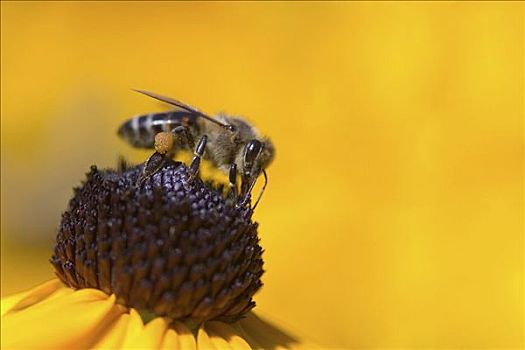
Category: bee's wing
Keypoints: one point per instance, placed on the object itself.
(170, 101)
(182, 106)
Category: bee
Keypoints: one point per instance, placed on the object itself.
(228, 142)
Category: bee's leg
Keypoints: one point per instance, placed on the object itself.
(154, 163)
(182, 132)
(244, 185)
(233, 180)
(244, 194)
(248, 183)
(163, 147)
(196, 161)
(245, 198)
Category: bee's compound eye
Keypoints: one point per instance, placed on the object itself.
(252, 150)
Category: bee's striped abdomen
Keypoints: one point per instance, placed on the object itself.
(140, 131)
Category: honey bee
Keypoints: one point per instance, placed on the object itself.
(228, 142)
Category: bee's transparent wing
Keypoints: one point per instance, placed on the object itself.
(171, 101)
(182, 106)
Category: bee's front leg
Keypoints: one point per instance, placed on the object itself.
(245, 195)
(247, 185)
(154, 163)
(233, 180)
(163, 147)
(196, 161)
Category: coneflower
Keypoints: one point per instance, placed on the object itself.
(163, 263)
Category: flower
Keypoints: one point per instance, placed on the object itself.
(168, 246)
(52, 316)
(162, 262)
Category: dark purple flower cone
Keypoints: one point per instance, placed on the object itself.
(167, 247)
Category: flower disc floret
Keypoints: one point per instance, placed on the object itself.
(166, 245)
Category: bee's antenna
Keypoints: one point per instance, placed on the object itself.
(185, 107)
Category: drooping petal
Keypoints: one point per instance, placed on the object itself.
(54, 317)
(21, 300)
(220, 343)
(114, 336)
(71, 320)
(264, 335)
(170, 341)
(204, 342)
(140, 336)
(217, 340)
(220, 330)
(186, 338)
(245, 336)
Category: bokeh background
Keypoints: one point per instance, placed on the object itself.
(394, 213)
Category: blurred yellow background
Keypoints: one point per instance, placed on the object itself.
(394, 213)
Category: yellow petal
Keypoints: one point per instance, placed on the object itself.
(220, 343)
(217, 341)
(114, 337)
(246, 337)
(171, 341)
(60, 318)
(68, 321)
(228, 333)
(31, 297)
(186, 338)
(8, 303)
(203, 341)
(266, 335)
(140, 336)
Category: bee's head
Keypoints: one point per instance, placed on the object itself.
(257, 155)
